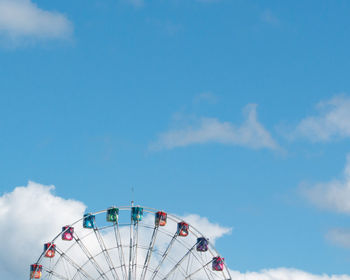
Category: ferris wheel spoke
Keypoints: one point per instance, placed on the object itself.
(130, 250)
(149, 252)
(60, 258)
(66, 269)
(105, 253)
(208, 271)
(79, 269)
(198, 270)
(139, 266)
(55, 274)
(120, 250)
(165, 255)
(133, 249)
(90, 257)
(159, 275)
(188, 265)
(135, 246)
(179, 262)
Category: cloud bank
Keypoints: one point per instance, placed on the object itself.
(251, 133)
(24, 19)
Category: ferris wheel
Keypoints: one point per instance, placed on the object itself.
(129, 243)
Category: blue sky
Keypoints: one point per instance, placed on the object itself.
(238, 111)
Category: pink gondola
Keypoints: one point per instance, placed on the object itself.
(67, 233)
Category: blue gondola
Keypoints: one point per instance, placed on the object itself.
(136, 214)
(112, 214)
(89, 221)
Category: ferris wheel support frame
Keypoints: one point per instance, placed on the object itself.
(133, 247)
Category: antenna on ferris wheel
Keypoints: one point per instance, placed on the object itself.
(132, 196)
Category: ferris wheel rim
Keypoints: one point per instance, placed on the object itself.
(212, 250)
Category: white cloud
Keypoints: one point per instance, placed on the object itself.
(339, 237)
(28, 217)
(333, 121)
(24, 19)
(211, 130)
(212, 231)
(285, 274)
(333, 195)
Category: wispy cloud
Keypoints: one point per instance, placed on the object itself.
(332, 121)
(211, 130)
(339, 237)
(207, 97)
(268, 17)
(168, 27)
(24, 19)
(333, 195)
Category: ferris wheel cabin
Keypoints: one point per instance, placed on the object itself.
(67, 233)
(183, 229)
(218, 264)
(202, 244)
(49, 250)
(89, 220)
(35, 271)
(136, 214)
(112, 214)
(161, 218)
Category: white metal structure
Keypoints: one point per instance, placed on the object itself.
(130, 250)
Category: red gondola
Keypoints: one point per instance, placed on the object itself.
(35, 271)
(50, 250)
(183, 229)
(161, 218)
(218, 264)
(67, 233)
